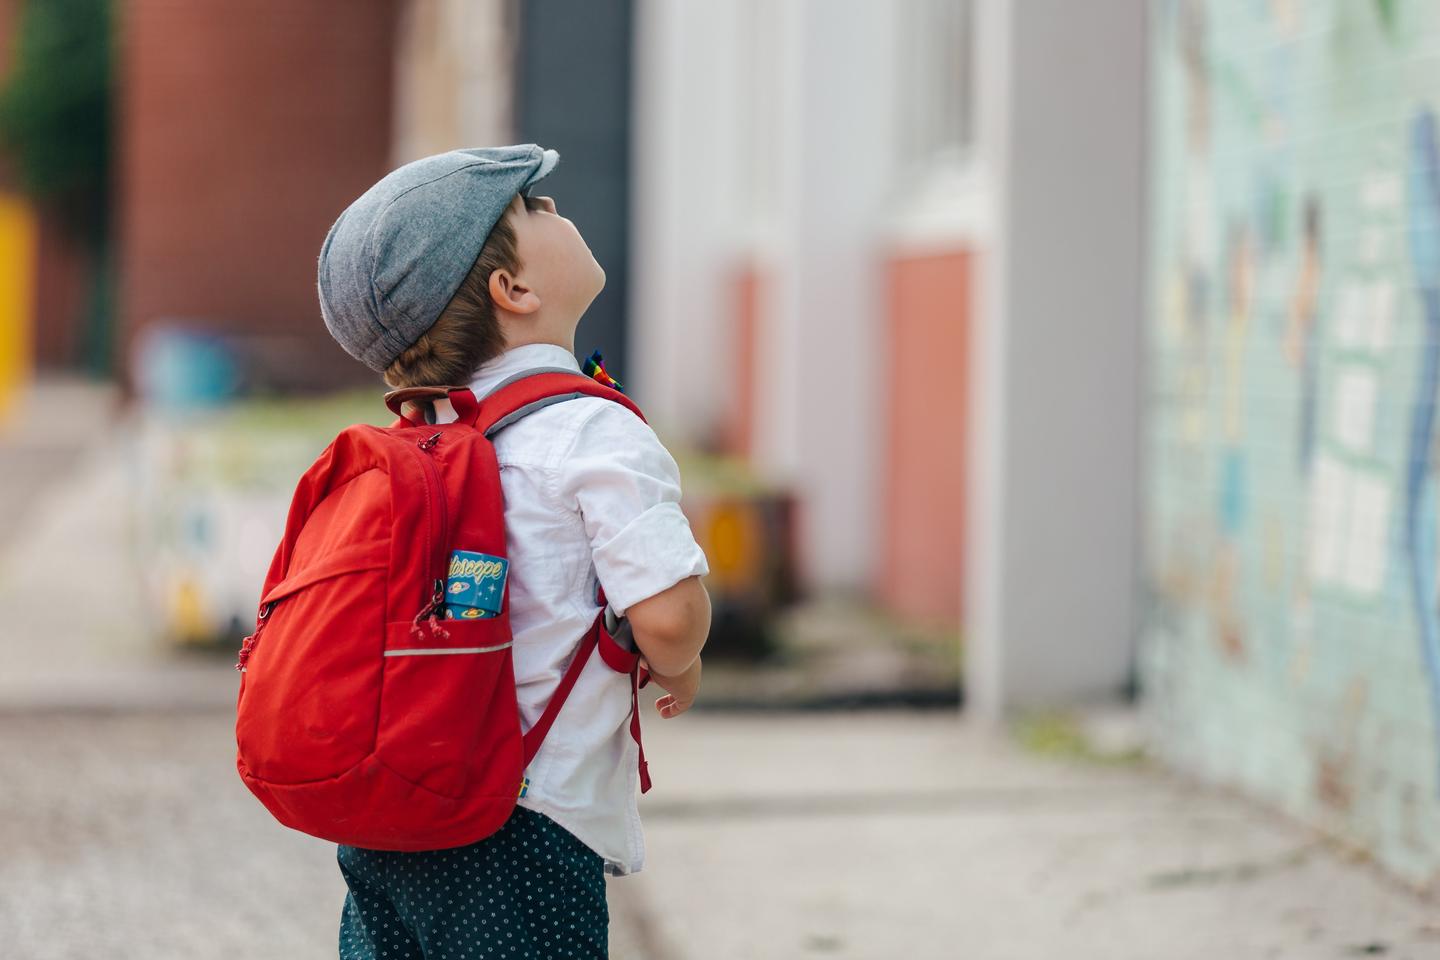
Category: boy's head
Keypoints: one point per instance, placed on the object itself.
(449, 260)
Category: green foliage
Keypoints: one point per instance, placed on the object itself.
(1059, 735)
(1387, 13)
(55, 107)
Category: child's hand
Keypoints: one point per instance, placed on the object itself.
(680, 689)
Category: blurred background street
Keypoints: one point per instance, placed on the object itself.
(1054, 391)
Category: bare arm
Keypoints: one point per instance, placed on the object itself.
(671, 627)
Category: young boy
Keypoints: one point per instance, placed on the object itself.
(449, 272)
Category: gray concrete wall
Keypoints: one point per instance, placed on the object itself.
(1051, 600)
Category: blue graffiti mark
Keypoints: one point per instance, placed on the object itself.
(1420, 531)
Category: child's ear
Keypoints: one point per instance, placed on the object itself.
(508, 292)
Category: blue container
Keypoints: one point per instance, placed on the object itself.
(475, 587)
(185, 369)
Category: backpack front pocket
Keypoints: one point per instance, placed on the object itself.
(448, 712)
(306, 707)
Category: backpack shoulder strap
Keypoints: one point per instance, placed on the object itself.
(512, 399)
(531, 390)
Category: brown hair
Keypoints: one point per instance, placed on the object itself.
(467, 333)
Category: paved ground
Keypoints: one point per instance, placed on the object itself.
(44, 437)
(125, 832)
(895, 834)
(847, 836)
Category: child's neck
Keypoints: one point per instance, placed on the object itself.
(555, 341)
(532, 336)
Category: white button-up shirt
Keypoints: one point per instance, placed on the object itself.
(589, 490)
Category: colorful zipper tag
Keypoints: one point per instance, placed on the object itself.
(594, 367)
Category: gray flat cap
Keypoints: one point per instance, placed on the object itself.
(396, 256)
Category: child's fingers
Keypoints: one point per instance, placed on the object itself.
(668, 706)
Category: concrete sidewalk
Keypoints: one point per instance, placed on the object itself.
(917, 835)
(862, 835)
(74, 631)
(55, 420)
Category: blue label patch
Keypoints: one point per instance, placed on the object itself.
(475, 586)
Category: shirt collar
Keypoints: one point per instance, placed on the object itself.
(516, 359)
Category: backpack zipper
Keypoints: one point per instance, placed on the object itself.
(437, 545)
(437, 596)
(247, 646)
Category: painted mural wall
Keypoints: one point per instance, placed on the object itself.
(1292, 608)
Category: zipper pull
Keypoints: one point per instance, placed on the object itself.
(436, 601)
(429, 441)
(247, 646)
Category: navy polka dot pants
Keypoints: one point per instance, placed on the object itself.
(531, 889)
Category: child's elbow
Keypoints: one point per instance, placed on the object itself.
(671, 627)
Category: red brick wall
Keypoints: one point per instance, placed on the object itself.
(64, 277)
(244, 128)
(928, 422)
(747, 290)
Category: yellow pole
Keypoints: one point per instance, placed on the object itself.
(18, 240)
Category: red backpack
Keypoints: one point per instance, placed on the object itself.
(364, 717)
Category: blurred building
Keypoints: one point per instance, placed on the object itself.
(243, 131)
(1291, 625)
(889, 253)
(241, 134)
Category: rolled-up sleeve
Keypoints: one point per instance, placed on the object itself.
(626, 487)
